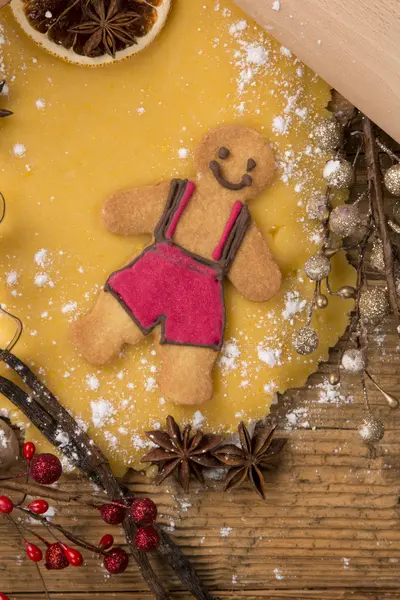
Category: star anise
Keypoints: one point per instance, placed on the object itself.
(182, 453)
(256, 452)
(3, 111)
(106, 26)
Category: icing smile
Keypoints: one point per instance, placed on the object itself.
(246, 180)
(215, 167)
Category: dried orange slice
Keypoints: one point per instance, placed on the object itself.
(91, 32)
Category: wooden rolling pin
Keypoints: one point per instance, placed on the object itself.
(354, 45)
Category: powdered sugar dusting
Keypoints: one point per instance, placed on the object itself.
(102, 412)
(198, 419)
(92, 383)
(294, 304)
(12, 278)
(229, 356)
(19, 150)
(298, 417)
(269, 356)
(41, 257)
(41, 279)
(331, 394)
(69, 307)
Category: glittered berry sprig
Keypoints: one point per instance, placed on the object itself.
(46, 469)
(50, 417)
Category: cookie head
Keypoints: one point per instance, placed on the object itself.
(235, 161)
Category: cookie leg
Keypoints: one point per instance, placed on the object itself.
(100, 334)
(186, 373)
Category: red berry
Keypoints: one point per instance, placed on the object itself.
(112, 514)
(29, 450)
(116, 561)
(46, 469)
(143, 510)
(6, 505)
(74, 557)
(55, 557)
(147, 538)
(4, 597)
(34, 552)
(39, 507)
(106, 542)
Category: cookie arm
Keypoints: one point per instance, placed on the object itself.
(135, 211)
(254, 272)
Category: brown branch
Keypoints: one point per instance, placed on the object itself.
(376, 194)
(17, 527)
(78, 541)
(42, 491)
(49, 416)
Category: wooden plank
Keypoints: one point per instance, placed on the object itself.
(358, 56)
(295, 594)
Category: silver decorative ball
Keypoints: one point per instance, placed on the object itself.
(339, 173)
(334, 378)
(358, 235)
(318, 207)
(392, 180)
(374, 304)
(346, 292)
(344, 220)
(305, 340)
(328, 134)
(321, 301)
(354, 360)
(317, 267)
(377, 259)
(331, 251)
(9, 446)
(371, 430)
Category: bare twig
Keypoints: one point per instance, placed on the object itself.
(11, 520)
(387, 150)
(67, 534)
(44, 491)
(376, 194)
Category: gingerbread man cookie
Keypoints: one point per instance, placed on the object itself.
(203, 232)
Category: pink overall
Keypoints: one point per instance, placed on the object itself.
(182, 291)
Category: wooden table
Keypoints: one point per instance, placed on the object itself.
(329, 529)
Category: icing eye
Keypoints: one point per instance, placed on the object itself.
(251, 164)
(223, 153)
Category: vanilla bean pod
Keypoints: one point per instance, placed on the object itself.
(90, 459)
(376, 194)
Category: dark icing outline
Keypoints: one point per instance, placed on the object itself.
(221, 267)
(251, 164)
(223, 153)
(216, 170)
